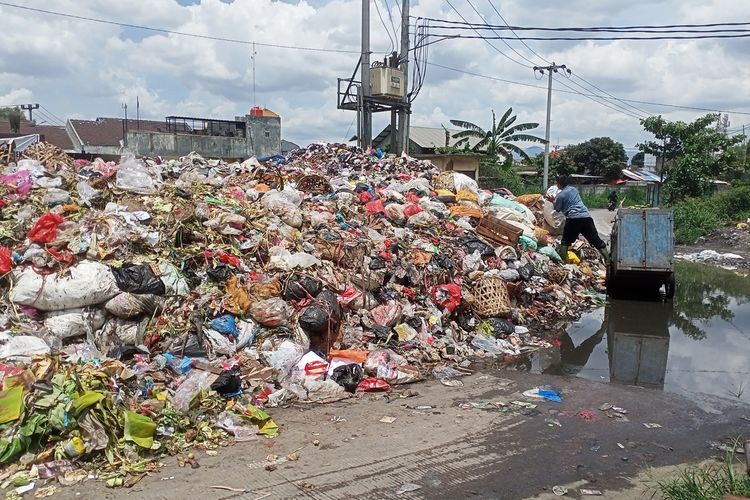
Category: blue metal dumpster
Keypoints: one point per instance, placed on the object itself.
(642, 248)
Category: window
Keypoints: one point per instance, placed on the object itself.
(268, 134)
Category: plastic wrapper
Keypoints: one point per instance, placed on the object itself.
(389, 366)
(196, 381)
(135, 177)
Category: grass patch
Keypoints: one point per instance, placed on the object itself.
(696, 217)
(708, 483)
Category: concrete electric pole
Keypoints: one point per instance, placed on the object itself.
(552, 68)
(365, 139)
(30, 108)
(404, 112)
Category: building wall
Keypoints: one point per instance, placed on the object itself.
(263, 139)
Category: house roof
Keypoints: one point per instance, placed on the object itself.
(108, 131)
(426, 137)
(50, 133)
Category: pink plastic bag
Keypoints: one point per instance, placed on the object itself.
(20, 182)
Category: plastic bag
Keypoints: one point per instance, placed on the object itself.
(473, 244)
(462, 182)
(138, 278)
(6, 260)
(86, 193)
(299, 287)
(17, 346)
(235, 425)
(196, 381)
(54, 197)
(446, 296)
(89, 283)
(395, 212)
(386, 314)
(321, 321)
(472, 262)
(348, 376)
(372, 384)
(271, 313)
(282, 357)
(74, 322)
(551, 253)
(555, 220)
(526, 243)
(510, 275)
(174, 282)
(130, 305)
(45, 229)
(226, 325)
(133, 176)
(284, 260)
(19, 182)
(391, 367)
(422, 220)
(228, 383)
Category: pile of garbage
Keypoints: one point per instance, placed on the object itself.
(135, 291)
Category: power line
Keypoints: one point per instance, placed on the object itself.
(607, 93)
(490, 43)
(622, 107)
(592, 38)
(180, 33)
(635, 28)
(649, 103)
(613, 107)
(390, 18)
(505, 42)
(382, 21)
(514, 33)
(52, 114)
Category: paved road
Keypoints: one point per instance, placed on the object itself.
(603, 219)
(450, 452)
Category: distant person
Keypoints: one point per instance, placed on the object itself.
(578, 220)
(612, 205)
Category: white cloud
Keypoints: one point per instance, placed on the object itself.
(78, 68)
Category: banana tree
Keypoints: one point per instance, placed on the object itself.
(500, 139)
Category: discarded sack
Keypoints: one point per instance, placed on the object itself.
(138, 278)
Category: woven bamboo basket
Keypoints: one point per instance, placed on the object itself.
(314, 184)
(556, 274)
(491, 297)
(444, 181)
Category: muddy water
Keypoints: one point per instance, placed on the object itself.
(698, 344)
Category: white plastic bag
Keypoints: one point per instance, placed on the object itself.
(21, 346)
(131, 305)
(282, 357)
(89, 283)
(74, 322)
(463, 182)
(283, 259)
(133, 176)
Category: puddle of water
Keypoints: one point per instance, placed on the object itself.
(699, 343)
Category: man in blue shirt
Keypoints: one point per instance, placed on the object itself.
(578, 220)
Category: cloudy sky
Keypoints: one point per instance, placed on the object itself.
(80, 69)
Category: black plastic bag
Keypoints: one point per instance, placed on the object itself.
(321, 320)
(126, 352)
(138, 278)
(348, 376)
(192, 347)
(377, 263)
(219, 274)
(301, 287)
(361, 188)
(444, 262)
(229, 382)
(472, 244)
(501, 327)
(526, 272)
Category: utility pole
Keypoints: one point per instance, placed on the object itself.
(125, 125)
(365, 139)
(552, 68)
(744, 149)
(404, 112)
(30, 108)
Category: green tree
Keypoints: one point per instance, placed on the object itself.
(598, 156)
(693, 154)
(500, 139)
(14, 116)
(559, 164)
(637, 160)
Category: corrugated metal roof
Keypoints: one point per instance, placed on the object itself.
(426, 137)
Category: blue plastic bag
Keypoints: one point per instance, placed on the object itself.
(225, 325)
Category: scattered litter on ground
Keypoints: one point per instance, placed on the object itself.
(560, 490)
(651, 426)
(595, 493)
(387, 420)
(407, 488)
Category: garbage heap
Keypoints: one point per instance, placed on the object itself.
(134, 291)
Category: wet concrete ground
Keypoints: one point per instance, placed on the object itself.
(452, 452)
